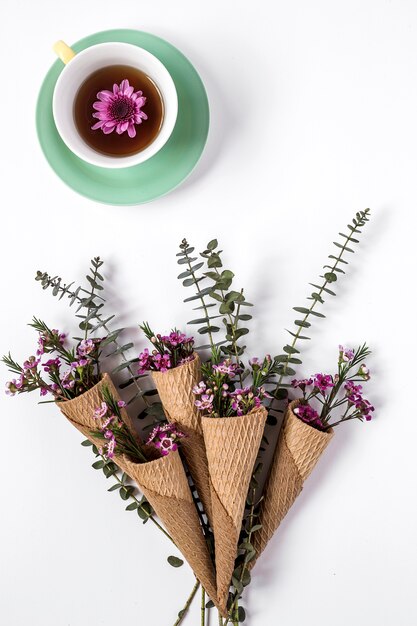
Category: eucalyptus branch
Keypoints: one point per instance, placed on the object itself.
(94, 286)
(329, 277)
(74, 296)
(190, 278)
(228, 301)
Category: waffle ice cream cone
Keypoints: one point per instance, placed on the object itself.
(80, 412)
(298, 450)
(164, 484)
(175, 392)
(232, 445)
(162, 481)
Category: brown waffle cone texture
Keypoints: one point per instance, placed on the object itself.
(175, 392)
(232, 445)
(162, 481)
(80, 412)
(298, 450)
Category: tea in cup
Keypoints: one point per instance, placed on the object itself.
(114, 104)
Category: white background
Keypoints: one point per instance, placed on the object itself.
(314, 116)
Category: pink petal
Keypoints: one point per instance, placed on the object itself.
(105, 95)
(108, 127)
(115, 89)
(138, 93)
(100, 106)
(131, 131)
(121, 127)
(101, 115)
(97, 125)
(124, 85)
(129, 91)
(140, 101)
(140, 116)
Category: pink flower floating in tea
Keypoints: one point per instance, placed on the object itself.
(119, 109)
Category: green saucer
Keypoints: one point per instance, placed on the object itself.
(161, 173)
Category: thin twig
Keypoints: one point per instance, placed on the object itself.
(187, 605)
(203, 606)
(323, 287)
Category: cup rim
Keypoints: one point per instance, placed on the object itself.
(96, 158)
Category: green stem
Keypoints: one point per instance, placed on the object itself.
(203, 606)
(187, 605)
(203, 302)
(91, 305)
(234, 612)
(236, 615)
(315, 301)
(220, 619)
(233, 324)
(344, 419)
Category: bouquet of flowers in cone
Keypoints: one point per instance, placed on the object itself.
(195, 465)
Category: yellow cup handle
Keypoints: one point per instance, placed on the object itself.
(64, 52)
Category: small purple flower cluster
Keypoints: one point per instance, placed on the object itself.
(307, 414)
(154, 361)
(72, 381)
(355, 399)
(248, 398)
(346, 354)
(15, 385)
(226, 368)
(175, 339)
(47, 342)
(320, 382)
(219, 396)
(328, 390)
(107, 425)
(165, 438)
(169, 351)
(206, 396)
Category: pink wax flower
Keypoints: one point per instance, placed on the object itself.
(227, 368)
(119, 109)
(363, 372)
(86, 346)
(101, 411)
(345, 354)
(51, 365)
(165, 438)
(308, 415)
(31, 363)
(323, 382)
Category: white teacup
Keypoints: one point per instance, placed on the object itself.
(81, 65)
